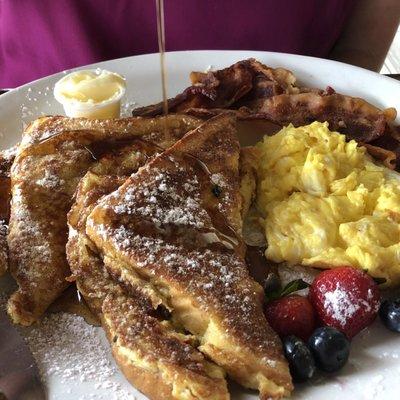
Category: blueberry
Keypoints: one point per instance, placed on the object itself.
(301, 361)
(390, 314)
(330, 348)
(216, 190)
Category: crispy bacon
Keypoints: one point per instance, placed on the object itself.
(387, 157)
(352, 116)
(387, 147)
(254, 91)
(223, 88)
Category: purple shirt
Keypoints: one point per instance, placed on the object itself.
(41, 37)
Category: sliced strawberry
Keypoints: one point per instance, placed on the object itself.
(345, 298)
(291, 315)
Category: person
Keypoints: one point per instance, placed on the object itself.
(41, 37)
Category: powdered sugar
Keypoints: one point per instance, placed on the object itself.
(342, 305)
(74, 359)
(50, 181)
(374, 389)
(163, 200)
(28, 228)
(218, 179)
(127, 106)
(9, 154)
(68, 349)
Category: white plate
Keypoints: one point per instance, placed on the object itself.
(373, 371)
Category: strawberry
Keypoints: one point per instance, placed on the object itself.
(346, 299)
(291, 315)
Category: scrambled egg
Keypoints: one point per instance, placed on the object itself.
(326, 203)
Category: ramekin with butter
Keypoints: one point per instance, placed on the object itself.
(91, 93)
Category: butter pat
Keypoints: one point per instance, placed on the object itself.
(91, 93)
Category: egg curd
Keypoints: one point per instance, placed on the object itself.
(326, 203)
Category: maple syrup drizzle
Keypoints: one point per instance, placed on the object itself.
(161, 49)
(263, 271)
(224, 231)
(96, 149)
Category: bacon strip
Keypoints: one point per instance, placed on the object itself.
(255, 91)
(223, 88)
(387, 157)
(351, 116)
(387, 147)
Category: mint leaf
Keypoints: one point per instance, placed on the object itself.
(379, 281)
(291, 287)
(294, 286)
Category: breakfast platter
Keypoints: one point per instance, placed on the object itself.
(306, 178)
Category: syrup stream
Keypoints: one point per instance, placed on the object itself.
(161, 48)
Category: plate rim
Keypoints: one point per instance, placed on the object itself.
(326, 61)
(217, 53)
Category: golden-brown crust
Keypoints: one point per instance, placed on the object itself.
(103, 177)
(149, 383)
(42, 188)
(155, 225)
(150, 351)
(3, 248)
(132, 322)
(149, 346)
(6, 161)
(54, 154)
(48, 132)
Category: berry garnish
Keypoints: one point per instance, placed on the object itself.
(390, 314)
(330, 348)
(291, 287)
(345, 298)
(291, 315)
(300, 359)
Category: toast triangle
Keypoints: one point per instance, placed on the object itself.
(176, 224)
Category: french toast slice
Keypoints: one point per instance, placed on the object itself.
(3, 248)
(97, 285)
(103, 178)
(55, 152)
(176, 224)
(6, 160)
(157, 358)
(160, 361)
